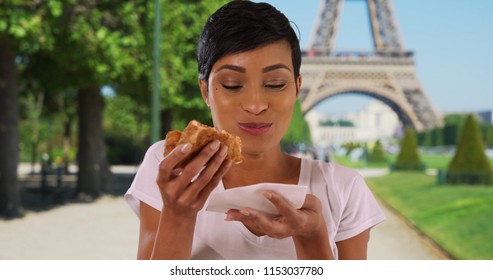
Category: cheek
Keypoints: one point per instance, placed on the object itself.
(220, 103)
(287, 105)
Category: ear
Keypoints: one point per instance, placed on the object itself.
(203, 89)
(298, 85)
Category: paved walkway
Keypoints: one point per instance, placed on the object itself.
(108, 229)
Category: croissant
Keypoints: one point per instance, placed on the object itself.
(199, 135)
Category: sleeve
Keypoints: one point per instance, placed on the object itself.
(361, 210)
(144, 187)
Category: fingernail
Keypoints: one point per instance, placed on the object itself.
(186, 148)
(228, 218)
(215, 144)
(245, 212)
(268, 195)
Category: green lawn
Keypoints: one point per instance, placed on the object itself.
(434, 161)
(343, 160)
(458, 218)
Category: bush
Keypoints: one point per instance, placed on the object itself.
(298, 131)
(408, 158)
(470, 164)
(377, 154)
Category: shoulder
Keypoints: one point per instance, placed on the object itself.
(336, 173)
(155, 151)
(144, 187)
(340, 181)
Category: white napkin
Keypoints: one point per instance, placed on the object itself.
(252, 196)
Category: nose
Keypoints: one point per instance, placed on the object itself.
(254, 102)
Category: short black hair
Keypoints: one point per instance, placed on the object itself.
(240, 26)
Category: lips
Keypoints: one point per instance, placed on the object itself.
(255, 128)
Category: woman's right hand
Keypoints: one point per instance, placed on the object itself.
(182, 197)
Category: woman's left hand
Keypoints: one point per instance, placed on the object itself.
(304, 222)
(306, 225)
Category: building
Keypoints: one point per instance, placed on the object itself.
(375, 121)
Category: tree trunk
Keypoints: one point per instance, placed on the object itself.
(94, 172)
(10, 200)
(38, 107)
(67, 133)
(66, 120)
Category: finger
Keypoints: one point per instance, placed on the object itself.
(284, 208)
(200, 189)
(170, 162)
(271, 226)
(195, 165)
(208, 178)
(225, 166)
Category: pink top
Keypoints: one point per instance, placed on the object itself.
(349, 208)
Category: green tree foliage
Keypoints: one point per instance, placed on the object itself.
(350, 146)
(299, 131)
(181, 101)
(341, 123)
(448, 135)
(487, 131)
(74, 46)
(182, 23)
(105, 40)
(23, 31)
(378, 153)
(409, 158)
(470, 164)
(127, 130)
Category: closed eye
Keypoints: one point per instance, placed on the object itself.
(276, 86)
(228, 87)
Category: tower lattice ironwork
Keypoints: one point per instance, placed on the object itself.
(387, 74)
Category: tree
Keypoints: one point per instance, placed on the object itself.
(298, 131)
(112, 43)
(438, 136)
(470, 164)
(9, 134)
(378, 153)
(409, 158)
(487, 131)
(126, 127)
(182, 22)
(105, 40)
(23, 30)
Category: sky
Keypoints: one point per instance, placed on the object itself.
(452, 41)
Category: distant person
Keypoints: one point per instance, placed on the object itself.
(249, 75)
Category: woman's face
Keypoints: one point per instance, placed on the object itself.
(252, 95)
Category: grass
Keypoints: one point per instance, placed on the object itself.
(436, 161)
(459, 218)
(343, 160)
(433, 161)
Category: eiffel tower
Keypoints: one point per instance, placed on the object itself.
(387, 74)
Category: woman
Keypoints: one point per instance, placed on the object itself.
(249, 75)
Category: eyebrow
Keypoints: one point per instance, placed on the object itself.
(275, 67)
(243, 69)
(231, 67)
